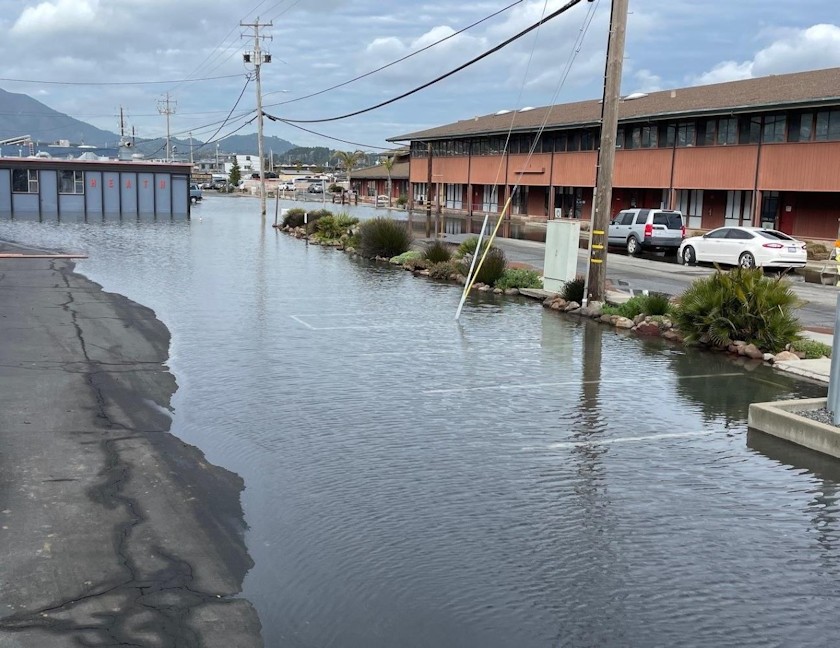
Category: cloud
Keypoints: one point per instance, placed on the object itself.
(647, 81)
(52, 17)
(797, 50)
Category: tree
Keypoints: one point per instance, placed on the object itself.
(235, 173)
(388, 163)
(349, 159)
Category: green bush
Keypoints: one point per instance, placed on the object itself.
(437, 252)
(490, 271)
(519, 278)
(655, 304)
(573, 289)
(402, 200)
(468, 247)
(406, 256)
(294, 217)
(812, 349)
(331, 227)
(741, 304)
(443, 270)
(417, 264)
(383, 237)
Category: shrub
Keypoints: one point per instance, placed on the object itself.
(490, 271)
(294, 217)
(331, 227)
(812, 349)
(656, 304)
(468, 247)
(334, 188)
(417, 264)
(437, 252)
(816, 251)
(741, 304)
(573, 289)
(519, 278)
(402, 200)
(443, 270)
(383, 237)
(406, 256)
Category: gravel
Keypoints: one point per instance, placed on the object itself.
(821, 415)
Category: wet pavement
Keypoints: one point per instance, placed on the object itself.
(521, 478)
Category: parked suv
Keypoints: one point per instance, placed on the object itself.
(647, 229)
(195, 193)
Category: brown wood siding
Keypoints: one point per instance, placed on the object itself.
(815, 215)
(533, 172)
(574, 169)
(536, 202)
(800, 167)
(450, 170)
(488, 169)
(715, 167)
(643, 168)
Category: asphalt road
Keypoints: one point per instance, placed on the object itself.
(657, 274)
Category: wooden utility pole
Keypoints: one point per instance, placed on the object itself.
(596, 277)
(167, 107)
(429, 192)
(257, 57)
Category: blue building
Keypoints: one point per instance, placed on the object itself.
(81, 189)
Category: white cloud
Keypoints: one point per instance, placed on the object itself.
(797, 50)
(646, 81)
(62, 15)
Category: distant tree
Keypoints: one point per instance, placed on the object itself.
(388, 163)
(349, 159)
(235, 173)
(318, 169)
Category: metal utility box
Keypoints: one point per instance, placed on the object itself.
(562, 240)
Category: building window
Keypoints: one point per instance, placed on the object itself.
(828, 125)
(801, 127)
(690, 203)
(71, 182)
(667, 135)
(686, 134)
(587, 140)
(706, 132)
(649, 136)
(727, 131)
(749, 129)
(619, 138)
(738, 208)
(573, 141)
(25, 181)
(774, 128)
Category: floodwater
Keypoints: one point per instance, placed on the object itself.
(518, 479)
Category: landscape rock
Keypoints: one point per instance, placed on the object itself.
(639, 318)
(571, 306)
(752, 351)
(548, 301)
(624, 323)
(768, 357)
(497, 291)
(558, 304)
(484, 288)
(608, 319)
(512, 291)
(672, 335)
(647, 328)
(785, 356)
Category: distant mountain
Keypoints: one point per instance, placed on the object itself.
(20, 114)
(247, 145)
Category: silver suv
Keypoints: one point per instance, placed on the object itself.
(647, 229)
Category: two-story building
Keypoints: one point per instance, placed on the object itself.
(762, 151)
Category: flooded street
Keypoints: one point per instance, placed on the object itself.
(519, 478)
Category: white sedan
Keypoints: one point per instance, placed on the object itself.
(748, 247)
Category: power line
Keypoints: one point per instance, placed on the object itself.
(401, 59)
(116, 83)
(329, 137)
(446, 75)
(229, 113)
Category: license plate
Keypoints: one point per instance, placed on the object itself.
(791, 249)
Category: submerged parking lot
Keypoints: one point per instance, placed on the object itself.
(518, 478)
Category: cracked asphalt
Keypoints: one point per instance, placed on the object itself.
(113, 531)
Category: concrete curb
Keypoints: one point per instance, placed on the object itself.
(818, 369)
(780, 419)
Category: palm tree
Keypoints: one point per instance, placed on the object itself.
(388, 163)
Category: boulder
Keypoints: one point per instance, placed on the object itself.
(571, 306)
(498, 291)
(484, 288)
(548, 301)
(639, 318)
(512, 291)
(768, 357)
(752, 351)
(672, 335)
(647, 328)
(785, 356)
(558, 304)
(607, 319)
(624, 323)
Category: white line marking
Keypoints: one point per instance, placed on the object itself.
(300, 321)
(638, 439)
(503, 386)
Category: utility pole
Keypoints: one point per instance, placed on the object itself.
(192, 158)
(258, 58)
(167, 107)
(596, 277)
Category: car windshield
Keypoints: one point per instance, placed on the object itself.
(671, 221)
(774, 235)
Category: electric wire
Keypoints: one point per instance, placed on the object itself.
(330, 137)
(238, 99)
(446, 75)
(116, 83)
(401, 59)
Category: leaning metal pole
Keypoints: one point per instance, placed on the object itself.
(597, 274)
(833, 402)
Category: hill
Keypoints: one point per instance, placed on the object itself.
(23, 115)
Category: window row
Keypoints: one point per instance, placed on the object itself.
(69, 182)
(807, 126)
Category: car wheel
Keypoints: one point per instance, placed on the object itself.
(746, 260)
(688, 256)
(632, 246)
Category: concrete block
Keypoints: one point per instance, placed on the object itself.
(780, 419)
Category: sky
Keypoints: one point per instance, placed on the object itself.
(192, 49)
